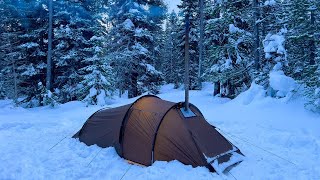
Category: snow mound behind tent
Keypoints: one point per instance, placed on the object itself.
(281, 83)
(254, 93)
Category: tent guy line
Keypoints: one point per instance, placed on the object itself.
(69, 135)
(126, 171)
(256, 146)
(94, 157)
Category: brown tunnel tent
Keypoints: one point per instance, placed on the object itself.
(152, 129)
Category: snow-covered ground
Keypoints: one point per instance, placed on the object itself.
(281, 140)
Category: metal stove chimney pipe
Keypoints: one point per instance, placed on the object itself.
(187, 60)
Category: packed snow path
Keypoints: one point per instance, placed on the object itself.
(280, 140)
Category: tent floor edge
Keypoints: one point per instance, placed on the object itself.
(135, 163)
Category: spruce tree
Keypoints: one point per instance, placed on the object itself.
(300, 37)
(75, 47)
(171, 54)
(230, 47)
(24, 48)
(132, 43)
(190, 8)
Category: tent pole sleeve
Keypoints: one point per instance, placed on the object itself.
(156, 133)
(124, 122)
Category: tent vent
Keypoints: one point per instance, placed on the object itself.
(187, 113)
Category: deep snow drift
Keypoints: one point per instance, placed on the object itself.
(281, 140)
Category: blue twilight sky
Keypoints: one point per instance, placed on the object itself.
(172, 5)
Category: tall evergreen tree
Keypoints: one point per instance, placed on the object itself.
(171, 53)
(24, 31)
(273, 36)
(78, 53)
(301, 39)
(133, 41)
(24, 48)
(190, 8)
(229, 47)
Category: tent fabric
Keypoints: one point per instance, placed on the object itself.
(177, 144)
(152, 129)
(103, 127)
(143, 120)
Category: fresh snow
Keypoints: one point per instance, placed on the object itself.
(128, 24)
(281, 140)
(29, 45)
(101, 98)
(281, 83)
(140, 48)
(93, 92)
(234, 29)
(134, 11)
(235, 158)
(274, 43)
(269, 2)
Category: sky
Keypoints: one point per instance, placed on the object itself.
(172, 5)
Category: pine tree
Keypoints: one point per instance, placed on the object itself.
(272, 31)
(74, 43)
(190, 8)
(24, 47)
(229, 47)
(45, 97)
(2, 90)
(311, 72)
(9, 56)
(171, 52)
(133, 42)
(98, 79)
(300, 37)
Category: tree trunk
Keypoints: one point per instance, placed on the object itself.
(312, 42)
(49, 57)
(133, 87)
(216, 90)
(15, 83)
(201, 52)
(256, 34)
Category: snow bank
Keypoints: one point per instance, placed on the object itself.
(281, 83)
(254, 93)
